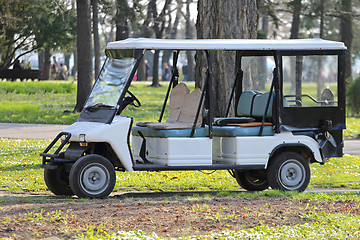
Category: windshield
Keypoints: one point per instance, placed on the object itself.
(111, 82)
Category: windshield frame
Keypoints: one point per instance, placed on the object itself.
(104, 113)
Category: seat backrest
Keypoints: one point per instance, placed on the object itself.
(244, 107)
(253, 103)
(177, 97)
(259, 105)
(190, 106)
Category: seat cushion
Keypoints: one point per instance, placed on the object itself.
(165, 133)
(232, 120)
(235, 131)
(250, 124)
(171, 125)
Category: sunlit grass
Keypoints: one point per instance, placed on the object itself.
(41, 105)
(54, 101)
(352, 127)
(20, 170)
(336, 171)
(36, 87)
(319, 226)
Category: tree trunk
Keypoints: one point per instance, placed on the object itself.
(173, 30)
(147, 33)
(294, 34)
(319, 81)
(263, 15)
(347, 35)
(46, 71)
(155, 80)
(121, 18)
(67, 61)
(159, 26)
(83, 43)
(295, 26)
(189, 35)
(224, 19)
(41, 59)
(96, 36)
(74, 70)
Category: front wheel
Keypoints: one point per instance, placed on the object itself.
(92, 176)
(252, 180)
(57, 181)
(289, 171)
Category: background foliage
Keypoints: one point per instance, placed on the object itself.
(353, 97)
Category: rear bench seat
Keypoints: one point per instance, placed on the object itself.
(251, 107)
(182, 111)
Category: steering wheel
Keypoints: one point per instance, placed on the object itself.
(135, 101)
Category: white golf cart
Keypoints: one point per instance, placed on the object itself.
(289, 101)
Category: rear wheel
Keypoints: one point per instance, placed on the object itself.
(92, 176)
(252, 180)
(289, 171)
(57, 181)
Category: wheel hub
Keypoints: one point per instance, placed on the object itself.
(95, 178)
(292, 174)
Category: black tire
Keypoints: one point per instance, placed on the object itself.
(57, 181)
(252, 180)
(289, 171)
(92, 176)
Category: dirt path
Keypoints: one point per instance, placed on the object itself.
(44, 216)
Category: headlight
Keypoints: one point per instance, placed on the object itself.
(82, 140)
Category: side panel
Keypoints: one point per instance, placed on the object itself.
(115, 134)
(256, 150)
(175, 151)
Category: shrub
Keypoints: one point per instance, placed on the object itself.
(353, 97)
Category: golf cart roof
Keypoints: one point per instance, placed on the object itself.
(225, 44)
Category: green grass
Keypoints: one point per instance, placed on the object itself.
(53, 102)
(20, 170)
(352, 127)
(38, 102)
(321, 226)
(311, 196)
(37, 87)
(336, 171)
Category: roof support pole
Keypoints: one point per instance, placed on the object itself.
(238, 75)
(173, 82)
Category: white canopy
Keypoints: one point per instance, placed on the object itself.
(226, 44)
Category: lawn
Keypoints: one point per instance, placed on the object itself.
(20, 170)
(52, 102)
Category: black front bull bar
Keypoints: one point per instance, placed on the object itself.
(51, 160)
